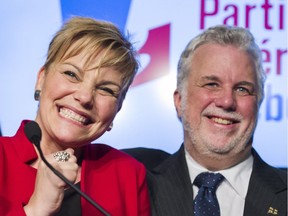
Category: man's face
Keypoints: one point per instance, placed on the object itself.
(219, 105)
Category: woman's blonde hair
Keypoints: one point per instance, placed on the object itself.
(95, 36)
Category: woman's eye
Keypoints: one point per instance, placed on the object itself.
(71, 74)
(108, 91)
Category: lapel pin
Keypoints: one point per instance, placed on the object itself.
(272, 211)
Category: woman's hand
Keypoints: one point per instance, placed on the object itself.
(49, 188)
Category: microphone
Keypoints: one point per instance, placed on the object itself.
(34, 134)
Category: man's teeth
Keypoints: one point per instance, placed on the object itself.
(222, 121)
(72, 115)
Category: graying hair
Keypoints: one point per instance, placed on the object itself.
(223, 35)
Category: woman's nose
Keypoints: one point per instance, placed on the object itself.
(84, 95)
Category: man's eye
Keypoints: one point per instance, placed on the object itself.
(244, 91)
(211, 85)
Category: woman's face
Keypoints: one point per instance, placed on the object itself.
(78, 101)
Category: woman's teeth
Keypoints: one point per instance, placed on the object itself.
(69, 114)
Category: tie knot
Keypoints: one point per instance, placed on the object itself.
(209, 180)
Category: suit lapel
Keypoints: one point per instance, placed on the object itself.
(266, 190)
(171, 177)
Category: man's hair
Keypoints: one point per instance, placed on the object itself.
(223, 35)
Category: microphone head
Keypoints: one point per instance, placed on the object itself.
(33, 132)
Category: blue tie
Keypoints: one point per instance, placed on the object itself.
(206, 202)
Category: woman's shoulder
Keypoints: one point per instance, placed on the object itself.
(105, 153)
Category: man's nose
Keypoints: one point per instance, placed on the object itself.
(226, 99)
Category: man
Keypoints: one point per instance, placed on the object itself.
(220, 85)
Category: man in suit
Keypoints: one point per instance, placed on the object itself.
(220, 86)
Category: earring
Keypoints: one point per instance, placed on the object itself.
(110, 127)
(37, 95)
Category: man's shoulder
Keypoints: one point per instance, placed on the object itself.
(150, 157)
(260, 166)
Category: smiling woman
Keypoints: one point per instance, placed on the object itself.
(80, 88)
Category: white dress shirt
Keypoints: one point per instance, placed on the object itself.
(232, 191)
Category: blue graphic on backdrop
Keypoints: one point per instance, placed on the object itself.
(111, 10)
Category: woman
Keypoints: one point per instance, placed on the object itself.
(80, 88)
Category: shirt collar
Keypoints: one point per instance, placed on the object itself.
(237, 176)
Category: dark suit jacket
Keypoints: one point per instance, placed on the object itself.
(148, 156)
(171, 190)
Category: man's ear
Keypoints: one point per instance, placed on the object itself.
(40, 79)
(177, 103)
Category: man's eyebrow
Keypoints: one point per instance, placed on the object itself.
(247, 83)
(211, 77)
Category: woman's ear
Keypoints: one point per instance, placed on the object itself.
(40, 79)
